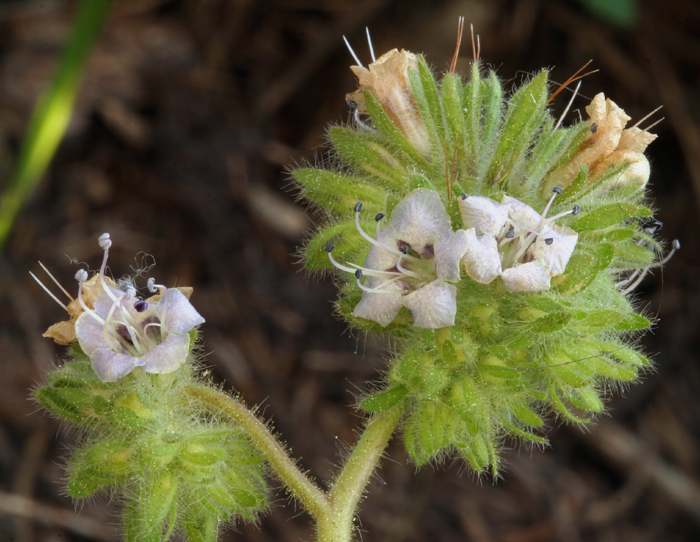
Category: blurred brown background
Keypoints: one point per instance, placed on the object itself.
(188, 116)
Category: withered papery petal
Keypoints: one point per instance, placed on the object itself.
(449, 249)
(527, 277)
(486, 216)
(481, 260)
(381, 308)
(388, 80)
(434, 305)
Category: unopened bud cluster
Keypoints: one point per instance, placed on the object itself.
(496, 248)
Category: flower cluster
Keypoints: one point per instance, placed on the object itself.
(517, 288)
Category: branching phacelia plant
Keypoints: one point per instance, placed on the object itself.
(497, 249)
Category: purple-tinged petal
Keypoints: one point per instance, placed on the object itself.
(555, 256)
(528, 277)
(110, 365)
(434, 305)
(104, 303)
(89, 333)
(176, 313)
(168, 356)
(419, 219)
(381, 259)
(481, 260)
(486, 216)
(449, 249)
(380, 308)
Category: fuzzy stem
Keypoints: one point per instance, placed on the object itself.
(298, 483)
(337, 526)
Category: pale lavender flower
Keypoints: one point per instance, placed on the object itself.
(411, 263)
(512, 240)
(124, 332)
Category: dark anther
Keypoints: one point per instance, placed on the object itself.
(404, 249)
(549, 241)
(510, 234)
(557, 190)
(358, 206)
(379, 216)
(329, 248)
(658, 225)
(594, 127)
(358, 274)
(576, 210)
(140, 305)
(352, 104)
(676, 244)
(463, 196)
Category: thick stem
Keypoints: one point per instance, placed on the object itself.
(337, 526)
(302, 488)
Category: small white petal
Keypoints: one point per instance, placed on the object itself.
(528, 277)
(555, 257)
(486, 216)
(449, 249)
(481, 260)
(380, 308)
(522, 214)
(434, 305)
(419, 220)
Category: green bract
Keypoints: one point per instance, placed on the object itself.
(513, 357)
(177, 467)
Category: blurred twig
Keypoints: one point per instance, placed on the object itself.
(52, 113)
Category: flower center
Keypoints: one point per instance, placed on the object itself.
(411, 269)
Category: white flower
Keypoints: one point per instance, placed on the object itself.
(514, 241)
(411, 263)
(123, 332)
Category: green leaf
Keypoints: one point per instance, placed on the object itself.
(633, 254)
(608, 215)
(383, 401)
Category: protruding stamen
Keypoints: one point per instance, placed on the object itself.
(104, 241)
(358, 120)
(676, 245)
(568, 106)
(140, 305)
(347, 43)
(81, 275)
(576, 210)
(557, 190)
(47, 291)
(153, 287)
(352, 104)
(594, 125)
(56, 282)
(463, 196)
(329, 248)
(358, 274)
(510, 234)
(358, 206)
(371, 49)
(549, 241)
(404, 270)
(379, 216)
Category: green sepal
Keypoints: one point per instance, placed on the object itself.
(632, 255)
(475, 450)
(349, 243)
(524, 434)
(608, 215)
(583, 268)
(562, 409)
(527, 415)
(203, 528)
(68, 403)
(610, 369)
(550, 323)
(370, 157)
(587, 400)
(74, 374)
(493, 111)
(524, 115)
(385, 400)
(339, 193)
(386, 125)
(426, 95)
